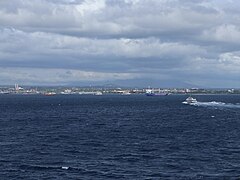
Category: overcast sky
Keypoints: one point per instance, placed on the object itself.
(157, 43)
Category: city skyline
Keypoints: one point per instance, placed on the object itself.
(161, 43)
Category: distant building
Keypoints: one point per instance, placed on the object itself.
(187, 90)
(17, 88)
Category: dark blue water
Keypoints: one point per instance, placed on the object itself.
(119, 137)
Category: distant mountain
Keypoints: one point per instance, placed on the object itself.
(136, 83)
(143, 83)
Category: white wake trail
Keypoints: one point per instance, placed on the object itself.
(216, 104)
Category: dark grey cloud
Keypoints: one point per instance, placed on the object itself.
(184, 41)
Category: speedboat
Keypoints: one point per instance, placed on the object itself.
(190, 100)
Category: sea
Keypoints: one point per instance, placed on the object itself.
(119, 137)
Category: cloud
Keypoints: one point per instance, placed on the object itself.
(230, 58)
(39, 49)
(108, 18)
(185, 40)
(57, 76)
(226, 33)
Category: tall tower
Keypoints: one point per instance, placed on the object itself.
(16, 87)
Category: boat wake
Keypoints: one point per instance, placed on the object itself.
(215, 104)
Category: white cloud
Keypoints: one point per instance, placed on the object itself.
(230, 58)
(225, 33)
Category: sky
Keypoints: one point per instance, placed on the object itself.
(158, 43)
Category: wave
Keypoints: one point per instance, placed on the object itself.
(81, 170)
(216, 104)
(42, 167)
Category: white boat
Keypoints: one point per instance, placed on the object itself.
(190, 100)
(50, 93)
(98, 93)
(126, 93)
